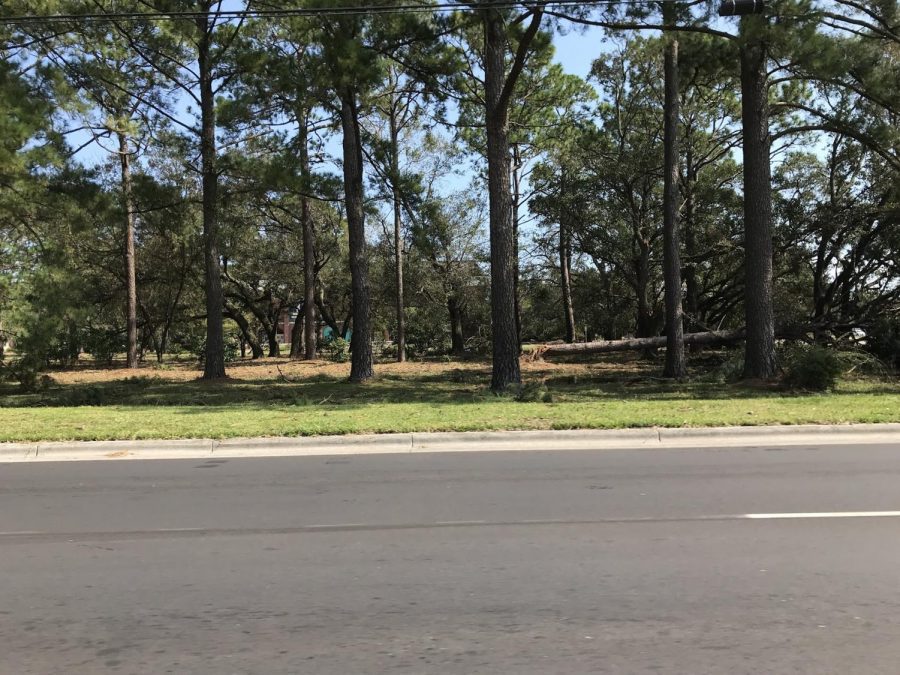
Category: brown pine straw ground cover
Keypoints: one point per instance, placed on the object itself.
(279, 397)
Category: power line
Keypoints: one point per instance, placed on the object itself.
(401, 8)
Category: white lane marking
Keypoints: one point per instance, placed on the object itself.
(737, 516)
(335, 526)
(826, 514)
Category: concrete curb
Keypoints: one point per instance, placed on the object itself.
(314, 445)
(478, 441)
(16, 451)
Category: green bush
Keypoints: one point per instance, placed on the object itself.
(883, 340)
(388, 351)
(191, 339)
(102, 344)
(84, 395)
(813, 369)
(534, 392)
(139, 381)
(730, 369)
(231, 351)
(479, 344)
(338, 350)
(863, 362)
(426, 334)
(26, 371)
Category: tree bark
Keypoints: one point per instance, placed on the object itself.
(214, 362)
(516, 198)
(297, 333)
(675, 361)
(505, 347)
(361, 358)
(130, 265)
(457, 341)
(272, 338)
(398, 240)
(243, 325)
(645, 324)
(691, 284)
(309, 252)
(759, 355)
(565, 266)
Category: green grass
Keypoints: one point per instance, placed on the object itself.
(437, 398)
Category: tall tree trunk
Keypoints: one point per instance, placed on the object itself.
(675, 362)
(130, 267)
(516, 197)
(243, 325)
(565, 265)
(214, 362)
(73, 348)
(759, 354)
(505, 369)
(162, 343)
(297, 334)
(309, 251)
(457, 341)
(272, 339)
(398, 239)
(361, 358)
(644, 325)
(692, 290)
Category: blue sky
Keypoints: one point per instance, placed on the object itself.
(575, 51)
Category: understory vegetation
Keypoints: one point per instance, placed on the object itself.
(275, 397)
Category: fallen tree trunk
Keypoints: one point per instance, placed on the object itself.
(710, 339)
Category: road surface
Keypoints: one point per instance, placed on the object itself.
(639, 561)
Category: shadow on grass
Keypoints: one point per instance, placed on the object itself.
(458, 386)
(319, 390)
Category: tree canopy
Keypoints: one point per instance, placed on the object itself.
(221, 180)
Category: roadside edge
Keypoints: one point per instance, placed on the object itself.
(478, 441)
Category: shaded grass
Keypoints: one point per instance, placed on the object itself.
(278, 398)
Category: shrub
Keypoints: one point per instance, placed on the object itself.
(102, 344)
(883, 340)
(338, 350)
(730, 369)
(85, 395)
(138, 381)
(862, 362)
(190, 339)
(426, 334)
(27, 372)
(534, 392)
(479, 344)
(813, 369)
(231, 349)
(388, 351)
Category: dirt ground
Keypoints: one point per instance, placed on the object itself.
(286, 369)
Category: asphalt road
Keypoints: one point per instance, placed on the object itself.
(640, 561)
